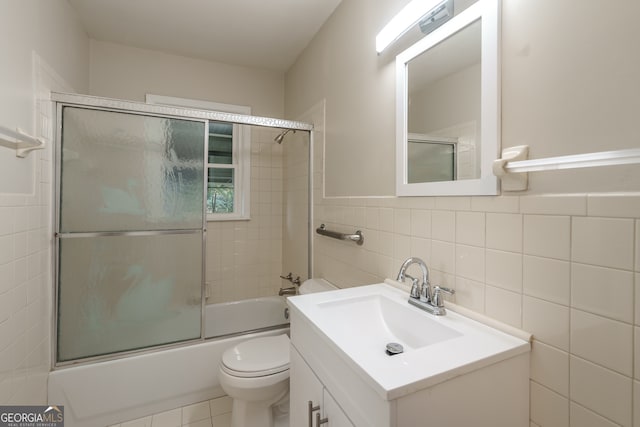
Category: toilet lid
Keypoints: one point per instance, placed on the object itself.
(257, 357)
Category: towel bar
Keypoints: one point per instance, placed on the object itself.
(23, 144)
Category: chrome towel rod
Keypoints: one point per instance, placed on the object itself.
(357, 237)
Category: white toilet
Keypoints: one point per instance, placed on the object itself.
(255, 373)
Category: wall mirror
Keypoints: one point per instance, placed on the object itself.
(448, 107)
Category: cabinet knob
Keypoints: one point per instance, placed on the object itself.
(312, 409)
(319, 421)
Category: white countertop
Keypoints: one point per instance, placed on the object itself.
(437, 348)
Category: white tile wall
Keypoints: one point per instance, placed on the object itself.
(603, 241)
(504, 305)
(504, 269)
(25, 275)
(443, 225)
(604, 291)
(563, 267)
(504, 232)
(470, 228)
(636, 403)
(550, 366)
(547, 407)
(582, 417)
(601, 390)
(547, 279)
(594, 338)
(547, 236)
(548, 322)
(244, 258)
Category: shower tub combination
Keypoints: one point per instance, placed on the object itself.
(132, 336)
(105, 393)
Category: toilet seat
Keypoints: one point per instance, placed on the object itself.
(257, 357)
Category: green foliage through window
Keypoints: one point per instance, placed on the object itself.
(220, 190)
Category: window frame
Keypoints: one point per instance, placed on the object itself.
(241, 153)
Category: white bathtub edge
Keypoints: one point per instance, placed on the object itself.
(111, 392)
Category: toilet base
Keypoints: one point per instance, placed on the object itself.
(254, 414)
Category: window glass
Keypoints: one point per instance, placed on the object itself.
(220, 143)
(228, 160)
(220, 190)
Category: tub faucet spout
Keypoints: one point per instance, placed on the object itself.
(287, 291)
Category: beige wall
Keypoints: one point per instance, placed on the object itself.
(570, 84)
(43, 48)
(341, 66)
(562, 266)
(125, 72)
(446, 103)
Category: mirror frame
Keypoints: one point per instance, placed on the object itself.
(487, 184)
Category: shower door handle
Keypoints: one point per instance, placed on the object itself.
(311, 410)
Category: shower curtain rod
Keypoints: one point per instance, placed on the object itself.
(119, 104)
(23, 144)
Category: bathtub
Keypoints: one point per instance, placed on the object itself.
(110, 392)
(244, 316)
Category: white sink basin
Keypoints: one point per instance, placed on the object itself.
(359, 322)
(367, 323)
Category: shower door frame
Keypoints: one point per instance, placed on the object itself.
(113, 106)
(61, 100)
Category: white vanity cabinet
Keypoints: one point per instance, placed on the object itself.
(474, 376)
(305, 388)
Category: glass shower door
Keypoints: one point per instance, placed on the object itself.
(130, 231)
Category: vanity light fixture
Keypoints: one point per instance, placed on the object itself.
(417, 11)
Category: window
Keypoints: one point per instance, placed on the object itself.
(228, 160)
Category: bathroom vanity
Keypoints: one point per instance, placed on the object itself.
(454, 371)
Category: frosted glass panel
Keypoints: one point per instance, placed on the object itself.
(124, 172)
(119, 293)
(429, 162)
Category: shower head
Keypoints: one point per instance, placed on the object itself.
(280, 136)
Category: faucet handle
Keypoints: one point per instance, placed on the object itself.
(437, 299)
(415, 289)
(425, 292)
(288, 277)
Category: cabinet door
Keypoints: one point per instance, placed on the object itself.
(333, 413)
(305, 387)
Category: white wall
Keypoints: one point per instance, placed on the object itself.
(43, 48)
(340, 65)
(571, 84)
(565, 267)
(125, 72)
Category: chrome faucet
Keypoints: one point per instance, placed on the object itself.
(291, 290)
(422, 291)
(288, 291)
(421, 295)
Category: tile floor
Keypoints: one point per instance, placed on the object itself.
(211, 413)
